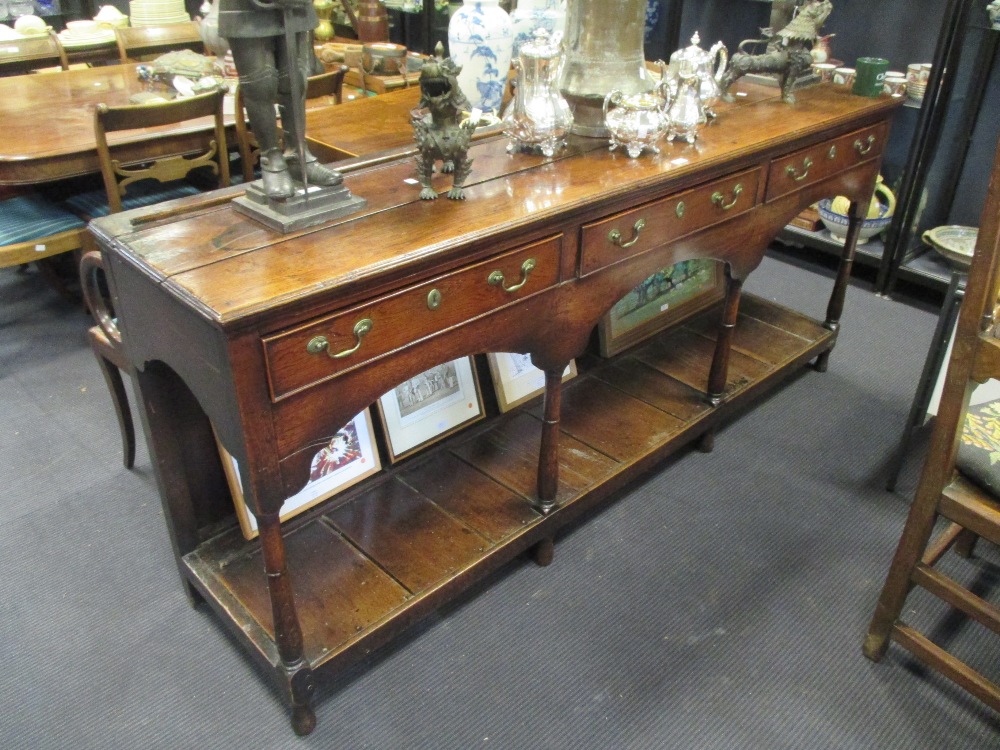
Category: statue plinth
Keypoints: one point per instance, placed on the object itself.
(298, 212)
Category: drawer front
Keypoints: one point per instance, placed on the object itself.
(632, 232)
(321, 349)
(790, 173)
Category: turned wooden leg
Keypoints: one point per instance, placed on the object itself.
(543, 552)
(835, 308)
(287, 632)
(719, 371)
(548, 458)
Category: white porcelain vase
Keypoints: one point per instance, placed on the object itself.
(481, 40)
(537, 14)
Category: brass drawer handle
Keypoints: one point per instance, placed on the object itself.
(720, 200)
(861, 148)
(796, 174)
(319, 344)
(615, 235)
(496, 278)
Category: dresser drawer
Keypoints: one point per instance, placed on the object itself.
(321, 349)
(792, 172)
(629, 233)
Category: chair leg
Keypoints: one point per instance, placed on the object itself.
(113, 377)
(916, 534)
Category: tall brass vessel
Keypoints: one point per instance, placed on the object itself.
(604, 53)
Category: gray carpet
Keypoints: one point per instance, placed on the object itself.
(719, 603)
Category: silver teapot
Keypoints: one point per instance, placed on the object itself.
(709, 65)
(539, 117)
(637, 121)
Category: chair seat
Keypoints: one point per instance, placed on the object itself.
(94, 203)
(29, 217)
(979, 450)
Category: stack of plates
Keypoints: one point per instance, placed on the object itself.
(157, 12)
(916, 91)
(85, 34)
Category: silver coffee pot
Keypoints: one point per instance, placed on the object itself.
(686, 111)
(539, 118)
(709, 65)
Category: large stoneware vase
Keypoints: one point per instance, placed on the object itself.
(604, 53)
(481, 40)
(537, 14)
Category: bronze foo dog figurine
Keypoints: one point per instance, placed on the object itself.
(442, 133)
(787, 51)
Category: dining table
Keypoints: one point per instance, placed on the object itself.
(49, 124)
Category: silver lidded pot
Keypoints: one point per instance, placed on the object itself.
(709, 65)
(539, 118)
(604, 53)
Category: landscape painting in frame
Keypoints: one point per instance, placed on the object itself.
(349, 457)
(427, 407)
(516, 379)
(667, 297)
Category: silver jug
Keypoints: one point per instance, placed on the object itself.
(686, 111)
(539, 118)
(709, 65)
(604, 52)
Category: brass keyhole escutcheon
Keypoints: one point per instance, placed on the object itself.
(615, 235)
(320, 344)
(832, 153)
(433, 299)
(496, 278)
(681, 208)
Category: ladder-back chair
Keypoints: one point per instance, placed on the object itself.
(959, 482)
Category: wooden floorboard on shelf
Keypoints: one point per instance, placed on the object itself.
(325, 569)
(493, 510)
(686, 356)
(509, 453)
(407, 535)
(624, 428)
(644, 382)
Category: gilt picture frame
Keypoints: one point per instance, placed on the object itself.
(430, 406)
(350, 456)
(516, 379)
(667, 297)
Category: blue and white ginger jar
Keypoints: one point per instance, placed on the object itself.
(481, 40)
(537, 14)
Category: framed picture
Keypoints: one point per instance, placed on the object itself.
(516, 379)
(349, 457)
(427, 407)
(665, 298)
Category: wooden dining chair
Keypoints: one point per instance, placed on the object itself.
(329, 84)
(959, 484)
(34, 228)
(128, 184)
(136, 43)
(31, 53)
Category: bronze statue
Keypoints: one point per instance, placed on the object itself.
(270, 44)
(445, 132)
(788, 49)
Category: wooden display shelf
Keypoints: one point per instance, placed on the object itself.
(367, 564)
